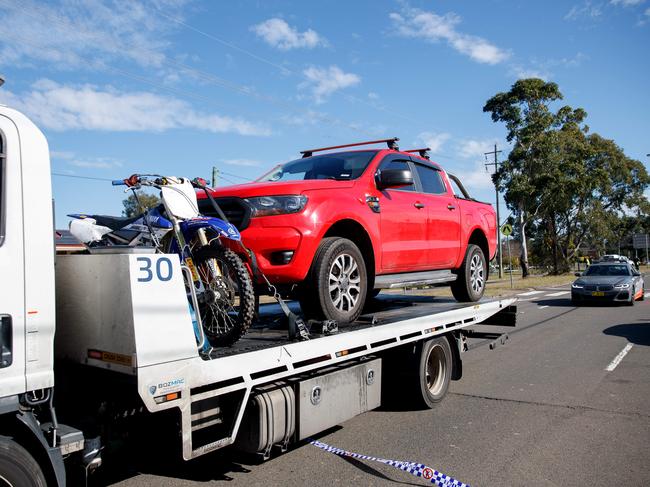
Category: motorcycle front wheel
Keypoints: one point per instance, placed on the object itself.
(227, 303)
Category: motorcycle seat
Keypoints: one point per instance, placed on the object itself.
(114, 222)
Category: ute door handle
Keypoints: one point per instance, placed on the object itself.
(451, 207)
(418, 205)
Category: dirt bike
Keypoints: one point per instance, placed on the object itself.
(219, 288)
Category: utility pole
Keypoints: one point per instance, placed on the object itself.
(215, 176)
(496, 169)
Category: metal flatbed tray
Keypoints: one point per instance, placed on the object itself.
(385, 310)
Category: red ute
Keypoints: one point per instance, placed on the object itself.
(342, 225)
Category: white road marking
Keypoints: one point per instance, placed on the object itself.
(619, 357)
(561, 293)
(542, 307)
(646, 295)
(530, 293)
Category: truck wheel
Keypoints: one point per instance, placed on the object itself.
(469, 286)
(434, 371)
(337, 283)
(17, 467)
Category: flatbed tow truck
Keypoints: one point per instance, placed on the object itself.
(112, 336)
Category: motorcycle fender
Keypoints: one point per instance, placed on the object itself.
(222, 228)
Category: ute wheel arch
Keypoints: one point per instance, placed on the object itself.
(478, 238)
(356, 233)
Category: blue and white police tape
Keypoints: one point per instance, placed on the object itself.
(417, 469)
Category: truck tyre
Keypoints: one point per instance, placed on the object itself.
(17, 467)
(433, 372)
(336, 286)
(469, 286)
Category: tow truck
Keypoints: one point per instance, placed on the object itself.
(87, 339)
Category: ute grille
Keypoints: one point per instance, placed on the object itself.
(236, 210)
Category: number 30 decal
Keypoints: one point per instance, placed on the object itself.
(163, 269)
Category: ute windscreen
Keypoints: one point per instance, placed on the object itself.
(339, 166)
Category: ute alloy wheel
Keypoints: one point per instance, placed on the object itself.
(471, 278)
(344, 283)
(336, 286)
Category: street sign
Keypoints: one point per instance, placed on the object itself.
(640, 240)
(506, 229)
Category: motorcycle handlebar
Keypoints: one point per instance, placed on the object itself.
(118, 182)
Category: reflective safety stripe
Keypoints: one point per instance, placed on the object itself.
(416, 469)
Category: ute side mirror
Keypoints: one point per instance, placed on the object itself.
(578, 274)
(393, 178)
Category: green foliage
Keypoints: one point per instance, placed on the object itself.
(569, 186)
(131, 206)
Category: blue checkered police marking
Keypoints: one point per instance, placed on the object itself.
(417, 469)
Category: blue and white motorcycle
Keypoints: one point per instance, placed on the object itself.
(219, 287)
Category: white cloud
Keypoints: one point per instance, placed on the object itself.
(522, 72)
(433, 141)
(96, 163)
(325, 81)
(61, 155)
(476, 148)
(87, 107)
(586, 9)
(277, 33)
(474, 177)
(432, 27)
(242, 162)
(72, 34)
(627, 3)
(373, 96)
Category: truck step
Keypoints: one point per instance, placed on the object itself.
(413, 279)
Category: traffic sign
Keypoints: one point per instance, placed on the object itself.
(640, 240)
(506, 229)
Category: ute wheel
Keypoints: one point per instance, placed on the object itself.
(432, 372)
(17, 467)
(469, 286)
(335, 288)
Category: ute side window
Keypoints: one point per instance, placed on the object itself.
(430, 180)
(2, 188)
(397, 163)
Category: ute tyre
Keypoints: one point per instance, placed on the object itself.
(433, 373)
(17, 467)
(239, 319)
(338, 262)
(469, 286)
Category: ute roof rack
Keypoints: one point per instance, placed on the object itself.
(392, 144)
(424, 152)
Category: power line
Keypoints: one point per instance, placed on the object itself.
(79, 177)
(221, 171)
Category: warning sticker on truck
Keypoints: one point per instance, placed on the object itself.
(111, 357)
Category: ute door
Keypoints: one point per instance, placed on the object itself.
(443, 217)
(403, 227)
(12, 263)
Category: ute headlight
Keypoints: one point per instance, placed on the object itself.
(277, 205)
(622, 286)
(577, 285)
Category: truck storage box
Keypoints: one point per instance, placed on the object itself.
(334, 397)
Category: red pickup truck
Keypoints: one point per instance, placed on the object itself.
(332, 229)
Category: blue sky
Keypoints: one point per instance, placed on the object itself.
(178, 86)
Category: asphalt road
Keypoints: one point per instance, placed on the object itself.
(542, 410)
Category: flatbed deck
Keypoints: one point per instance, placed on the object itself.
(270, 330)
